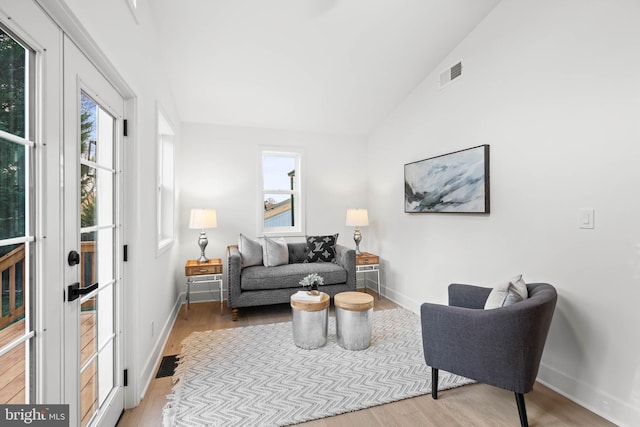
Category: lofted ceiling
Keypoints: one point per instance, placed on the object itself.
(329, 66)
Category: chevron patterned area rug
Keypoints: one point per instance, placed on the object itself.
(256, 376)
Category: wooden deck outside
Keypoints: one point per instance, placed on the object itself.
(12, 365)
(88, 382)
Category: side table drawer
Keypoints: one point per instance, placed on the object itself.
(201, 270)
(196, 269)
(366, 259)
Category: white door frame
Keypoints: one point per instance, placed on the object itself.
(81, 76)
(74, 29)
(43, 32)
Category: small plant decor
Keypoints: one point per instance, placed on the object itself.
(311, 283)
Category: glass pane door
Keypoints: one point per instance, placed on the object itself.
(97, 269)
(93, 354)
(16, 226)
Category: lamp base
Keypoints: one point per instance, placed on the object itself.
(202, 242)
(357, 237)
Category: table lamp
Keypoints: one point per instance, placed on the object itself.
(203, 219)
(357, 218)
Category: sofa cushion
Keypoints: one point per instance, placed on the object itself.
(250, 251)
(297, 251)
(274, 252)
(289, 276)
(507, 293)
(321, 248)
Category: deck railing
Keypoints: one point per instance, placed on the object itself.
(14, 260)
(11, 262)
(87, 263)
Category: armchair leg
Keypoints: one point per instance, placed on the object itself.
(522, 410)
(234, 314)
(434, 383)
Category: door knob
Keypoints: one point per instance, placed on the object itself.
(73, 258)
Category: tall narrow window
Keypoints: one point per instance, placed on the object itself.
(16, 221)
(165, 184)
(281, 204)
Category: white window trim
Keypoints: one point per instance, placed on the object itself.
(299, 229)
(164, 127)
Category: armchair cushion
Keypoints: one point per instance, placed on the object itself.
(508, 293)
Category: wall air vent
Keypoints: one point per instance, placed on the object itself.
(450, 74)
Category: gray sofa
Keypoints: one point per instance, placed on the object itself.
(260, 285)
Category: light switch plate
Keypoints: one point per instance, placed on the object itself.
(586, 217)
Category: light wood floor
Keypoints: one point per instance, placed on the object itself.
(472, 405)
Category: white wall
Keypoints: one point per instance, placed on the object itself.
(554, 87)
(218, 167)
(132, 50)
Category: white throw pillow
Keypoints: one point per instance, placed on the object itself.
(507, 293)
(275, 252)
(250, 251)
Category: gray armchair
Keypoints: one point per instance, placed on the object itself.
(500, 347)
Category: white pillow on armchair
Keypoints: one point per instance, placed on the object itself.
(507, 293)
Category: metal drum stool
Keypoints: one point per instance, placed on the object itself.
(354, 319)
(309, 322)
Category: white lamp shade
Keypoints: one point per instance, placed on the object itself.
(203, 218)
(357, 217)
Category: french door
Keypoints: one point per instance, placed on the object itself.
(93, 123)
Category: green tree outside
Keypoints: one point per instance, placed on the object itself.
(12, 156)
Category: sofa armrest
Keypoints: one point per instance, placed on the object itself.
(234, 267)
(346, 258)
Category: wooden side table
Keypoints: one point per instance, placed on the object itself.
(206, 272)
(365, 263)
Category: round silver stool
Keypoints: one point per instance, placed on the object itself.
(354, 319)
(309, 321)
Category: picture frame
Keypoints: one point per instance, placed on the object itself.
(456, 182)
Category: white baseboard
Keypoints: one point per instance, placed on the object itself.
(148, 371)
(596, 401)
(400, 299)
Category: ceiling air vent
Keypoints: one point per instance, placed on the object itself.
(450, 74)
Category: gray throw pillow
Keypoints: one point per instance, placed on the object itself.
(250, 251)
(275, 252)
(508, 293)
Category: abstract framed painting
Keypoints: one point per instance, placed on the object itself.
(456, 182)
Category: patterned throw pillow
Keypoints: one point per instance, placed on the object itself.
(321, 248)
